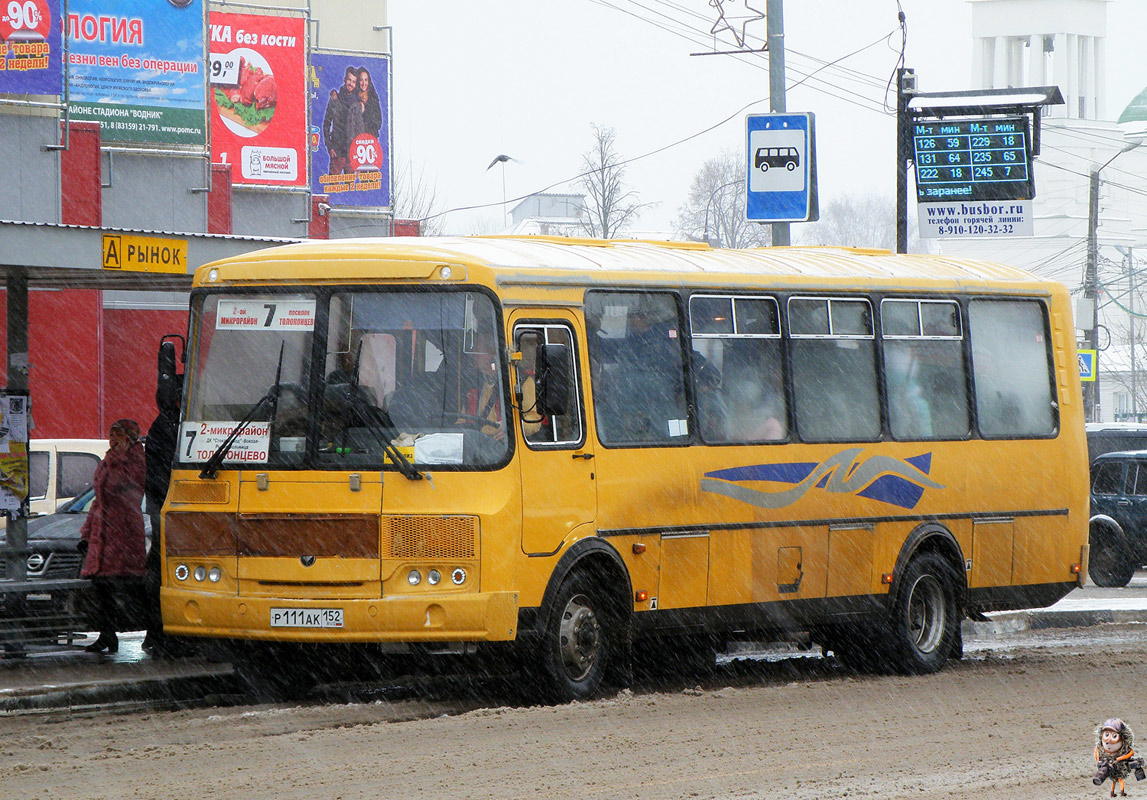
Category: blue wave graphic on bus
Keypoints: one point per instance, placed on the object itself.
(883, 478)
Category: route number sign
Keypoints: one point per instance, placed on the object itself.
(973, 159)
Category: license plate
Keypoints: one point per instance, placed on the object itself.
(306, 617)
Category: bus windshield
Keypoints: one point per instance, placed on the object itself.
(420, 372)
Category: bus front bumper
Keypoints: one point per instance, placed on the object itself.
(478, 617)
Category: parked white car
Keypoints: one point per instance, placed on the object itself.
(60, 469)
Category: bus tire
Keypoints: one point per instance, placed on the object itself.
(1110, 564)
(790, 166)
(579, 639)
(923, 625)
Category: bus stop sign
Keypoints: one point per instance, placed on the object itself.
(781, 163)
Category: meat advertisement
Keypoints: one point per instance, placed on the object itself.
(258, 98)
(350, 128)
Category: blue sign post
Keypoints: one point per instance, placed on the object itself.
(781, 163)
(1087, 359)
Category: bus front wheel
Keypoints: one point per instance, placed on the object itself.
(579, 639)
(924, 623)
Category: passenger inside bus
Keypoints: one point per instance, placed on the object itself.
(910, 414)
(532, 421)
(712, 413)
(635, 355)
(745, 402)
(483, 404)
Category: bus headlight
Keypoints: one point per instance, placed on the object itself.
(214, 574)
(200, 573)
(181, 572)
(414, 577)
(458, 576)
(433, 577)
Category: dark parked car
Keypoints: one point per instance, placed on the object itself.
(52, 539)
(1109, 437)
(1118, 517)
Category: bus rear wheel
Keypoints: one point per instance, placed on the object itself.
(924, 623)
(579, 640)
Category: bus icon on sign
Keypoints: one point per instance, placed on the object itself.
(786, 157)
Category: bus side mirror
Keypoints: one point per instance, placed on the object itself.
(167, 384)
(552, 370)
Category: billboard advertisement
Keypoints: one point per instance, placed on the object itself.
(31, 47)
(350, 128)
(136, 67)
(258, 98)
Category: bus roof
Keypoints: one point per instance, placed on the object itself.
(550, 260)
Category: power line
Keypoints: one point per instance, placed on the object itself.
(662, 149)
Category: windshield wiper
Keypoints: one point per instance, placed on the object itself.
(377, 422)
(270, 399)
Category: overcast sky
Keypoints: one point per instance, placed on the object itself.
(528, 77)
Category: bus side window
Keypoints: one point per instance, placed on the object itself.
(834, 369)
(737, 380)
(924, 375)
(1013, 388)
(541, 430)
(637, 370)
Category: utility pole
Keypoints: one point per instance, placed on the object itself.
(16, 549)
(1131, 331)
(776, 43)
(1091, 291)
(905, 88)
(1091, 278)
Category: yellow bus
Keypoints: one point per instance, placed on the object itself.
(576, 451)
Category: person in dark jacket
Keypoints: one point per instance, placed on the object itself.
(159, 453)
(113, 540)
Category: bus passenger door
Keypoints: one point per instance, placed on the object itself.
(559, 492)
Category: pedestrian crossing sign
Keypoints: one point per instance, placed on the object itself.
(1087, 363)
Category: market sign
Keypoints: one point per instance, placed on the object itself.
(258, 98)
(136, 67)
(144, 253)
(31, 47)
(350, 128)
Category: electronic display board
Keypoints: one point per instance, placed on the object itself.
(973, 159)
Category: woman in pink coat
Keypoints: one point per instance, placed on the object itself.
(113, 535)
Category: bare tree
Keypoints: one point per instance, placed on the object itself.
(715, 209)
(416, 197)
(609, 206)
(856, 221)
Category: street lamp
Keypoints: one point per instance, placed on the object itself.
(502, 158)
(712, 195)
(1091, 277)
